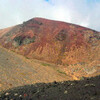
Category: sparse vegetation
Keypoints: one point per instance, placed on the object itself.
(61, 72)
(27, 57)
(82, 78)
(18, 71)
(29, 40)
(88, 55)
(45, 64)
(23, 40)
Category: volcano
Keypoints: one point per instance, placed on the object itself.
(53, 41)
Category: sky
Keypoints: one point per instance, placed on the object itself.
(82, 12)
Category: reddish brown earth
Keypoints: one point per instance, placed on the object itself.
(72, 53)
(74, 46)
(49, 40)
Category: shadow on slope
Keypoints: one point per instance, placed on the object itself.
(86, 89)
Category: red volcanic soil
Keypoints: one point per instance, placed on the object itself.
(50, 40)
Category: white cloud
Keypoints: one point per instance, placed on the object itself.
(81, 12)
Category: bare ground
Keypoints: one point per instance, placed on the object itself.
(16, 70)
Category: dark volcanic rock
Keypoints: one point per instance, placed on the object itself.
(87, 89)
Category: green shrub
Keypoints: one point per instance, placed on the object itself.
(61, 72)
(46, 64)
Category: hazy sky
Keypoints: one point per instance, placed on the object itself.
(81, 12)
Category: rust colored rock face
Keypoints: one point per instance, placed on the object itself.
(50, 40)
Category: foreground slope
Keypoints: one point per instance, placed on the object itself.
(16, 70)
(53, 41)
(87, 89)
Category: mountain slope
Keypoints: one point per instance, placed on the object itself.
(16, 70)
(52, 41)
(74, 48)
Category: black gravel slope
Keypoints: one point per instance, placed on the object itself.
(87, 89)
